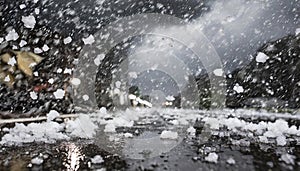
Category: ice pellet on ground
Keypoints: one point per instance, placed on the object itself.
(230, 161)
(218, 72)
(12, 61)
(85, 97)
(239, 89)
(29, 21)
(281, 140)
(288, 158)
(75, 81)
(7, 78)
(191, 131)
(33, 95)
(51, 81)
(212, 158)
(37, 50)
(263, 139)
(98, 59)
(174, 122)
(12, 35)
(110, 128)
(103, 110)
(169, 135)
(97, 159)
(261, 57)
(68, 71)
(37, 11)
(45, 48)
(59, 70)
(67, 40)
(297, 31)
(22, 6)
(89, 40)
(52, 115)
(170, 98)
(212, 122)
(47, 132)
(22, 43)
(37, 161)
(128, 135)
(82, 127)
(59, 94)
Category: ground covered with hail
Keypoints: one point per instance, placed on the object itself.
(154, 139)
